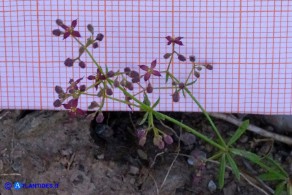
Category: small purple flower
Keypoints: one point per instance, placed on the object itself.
(69, 30)
(72, 107)
(93, 104)
(174, 40)
(150, 70)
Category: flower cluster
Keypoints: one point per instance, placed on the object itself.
(105, 82)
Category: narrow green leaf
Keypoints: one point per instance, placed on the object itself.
(166, 78)
(271, 176)
(234, 167)
(158, 116)
(255, 159)
(278, 166)
(222, 171)
(144, 118)
(184, 94)
(241, 129)
(193, 82)
(146, 100)
(156, 103)
(280, 188)
(106, 69)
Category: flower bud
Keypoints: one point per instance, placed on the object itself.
(90, 28)
(82, 88)
(167, 139)
(81, 50)
(192, 58)
(167, 55)
(93, 104)
(58, 89)
(57, 103)
(149, 88)
(127, 70)
(157, 141)
(95, 45)
(181, 85)
(109, 91)
(57, 32)
(181, 58)
(69, 62)
(209, 67)
(136, 79)
(175, 96)
(82, 64)
(110, 74)
(133, 74)
(130, 86)
(116, 83)
(99, 37)
(91, 77)
(99, 118)
(197, 74)
(59, 22)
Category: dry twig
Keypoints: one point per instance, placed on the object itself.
(253, 128)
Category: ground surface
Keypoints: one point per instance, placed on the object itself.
(85, 158)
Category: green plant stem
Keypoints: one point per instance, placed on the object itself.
(207, 116)
(189, 129)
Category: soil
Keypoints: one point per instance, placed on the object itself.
(83, 157)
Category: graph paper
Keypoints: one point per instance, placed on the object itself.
(249, 44)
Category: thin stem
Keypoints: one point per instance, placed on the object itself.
(196, 133)
(207, 116)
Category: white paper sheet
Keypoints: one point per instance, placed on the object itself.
(249, 44)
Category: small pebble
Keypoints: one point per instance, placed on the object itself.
(100, 156)
(243, 139)
(188, 138)
(142, 154)
(1, 165)
(134, 170)
(212, 186)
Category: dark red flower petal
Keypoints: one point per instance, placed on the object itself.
(73, 103)
(76, 34)
(209, 67)
(66, 35)
(74, 23)
(144, 67)
(156, 73)
(82, 88)
(178, 42)
(153, 64)
(169, 38)
(67, 106)
(58, 89)
(147, 76)
(78, 80)
(80, 112)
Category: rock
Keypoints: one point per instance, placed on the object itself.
(188, 138)
(230, 189)
(142, 154)
(212, 186)
(282, 123)
(197, 157)
(134, 170)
